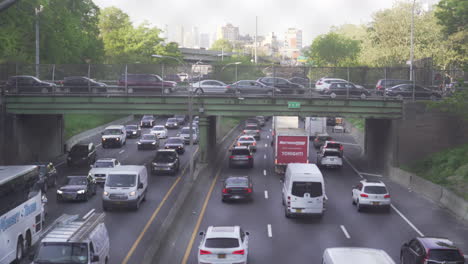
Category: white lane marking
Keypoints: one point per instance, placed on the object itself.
(122, 151)
(264, 172)
(370, 174)
(264, 156)
(266, 194)
(270, 234)
(345, 232)
(355, 170)
(89, 213)
(407, 221)
(60, 164)
(98, 145)
(266, 145)
(270, 129)
(268, 136)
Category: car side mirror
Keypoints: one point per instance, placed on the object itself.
(201, 233)
(140, 185)
(95, 258)
(247, 233)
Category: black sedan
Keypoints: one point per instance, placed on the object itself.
(77, 188)
(172, 123)
(147, 121)
(133, 131)
(148, 141)
(175, 143)
(81, 84)
(251, 87)
(237, 188)
(284, 85)
(28, 84)
(345, 89)
(402, 91)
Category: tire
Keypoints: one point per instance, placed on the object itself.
(166, 91)
(105, 208)
(433, 97)
(286, 213)
(199, 91)
(28, 243)
(19, 250)
(400, 97)
(363, 96)
(358, 206)
(333, 95)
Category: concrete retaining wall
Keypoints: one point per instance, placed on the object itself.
(89, 133)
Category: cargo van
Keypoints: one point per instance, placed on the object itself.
(346, 255)
(303, 190)
(125, 187)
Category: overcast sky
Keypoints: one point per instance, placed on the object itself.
(314, 17)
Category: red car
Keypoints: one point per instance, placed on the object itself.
(146, 83)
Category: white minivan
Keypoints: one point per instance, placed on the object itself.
(125, 187)
(346, 255)
(303, 190)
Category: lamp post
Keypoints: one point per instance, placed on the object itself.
(232, 63)
(412, 48)
(190, 110)
(37, 11)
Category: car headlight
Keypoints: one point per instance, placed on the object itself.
(154, 143)
(59, 192)
(103, 139)
(117, 139)
(139, 143)
(80, 192)
(105, 193)
(134, 132)
(90, 175)
(132, 193)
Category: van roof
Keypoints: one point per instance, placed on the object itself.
(115, 127)
(70, 230)
(127, 168)
(304, 168)
(358, 255)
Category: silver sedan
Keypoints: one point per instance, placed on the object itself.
(208, 86)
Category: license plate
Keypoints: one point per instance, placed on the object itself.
(332, 159)
(298, 210)
(222, 256)
(375, 203)
(118, 202)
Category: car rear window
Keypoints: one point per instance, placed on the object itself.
(222, 242)
(165, 157)
(237, 182)
(331, 154)
(245, 139)
(375, 189)
(312, 188)
(445, 255)
(333, 145)
(240, 152)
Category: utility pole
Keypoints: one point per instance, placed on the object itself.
(37, 11)
(412, 41)
(256, 35)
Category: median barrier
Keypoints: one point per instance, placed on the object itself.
(400, 176)
(89, 133)
(454, 203)
(426, 188)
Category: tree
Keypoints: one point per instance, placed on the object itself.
(334, 50)
(355, 32)
(222, 45)
(452, 15)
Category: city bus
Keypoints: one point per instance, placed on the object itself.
(21, 211)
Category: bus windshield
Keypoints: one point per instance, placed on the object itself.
(62, 253)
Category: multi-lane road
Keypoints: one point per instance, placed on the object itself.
(274, 238)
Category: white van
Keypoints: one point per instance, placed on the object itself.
(346, 255)
(303, 190)
(86, 239)
(125, 187)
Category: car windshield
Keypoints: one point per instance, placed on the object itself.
(147, 118)
(171, 120)
(121, 180)
(445, 255)
(148, 137)
(131, 127)
(112, 132)
(62, 253)
(237, 182)
(175, 141)
(375, 189)
(245, 152)
(222, 242)
(314, 189)
(246, 139)
(158, 128)
(80, 149)
(165, 157)
(77, 181)
(104, 164)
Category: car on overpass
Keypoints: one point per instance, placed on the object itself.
(284, 85)
(81, 84)
(29, 84)
(208, 86)
(345, 89)
(146, 83)
(251, 87)
(403, 91)
(223, 244)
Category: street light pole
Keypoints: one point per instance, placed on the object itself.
(37, 11)
(412, 48)
(232, 63)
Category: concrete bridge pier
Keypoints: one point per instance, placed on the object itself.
(207, 142)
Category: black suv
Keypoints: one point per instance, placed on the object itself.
(47, 175)
(147, 121)
(28, 84)
(284, 85)
(77, 188)
(176, 143)
(343, 88)
(237, 188)
(430, 250)
(82, 154)
(133, 131)
(81, 84)
(165, 161)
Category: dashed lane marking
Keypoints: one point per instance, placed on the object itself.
(122, 151)
(370, 174)
(270, 233)
(264, 156)
(266, 194)
(266, 145)
(264, 172)
(343, 228)
(407, 221)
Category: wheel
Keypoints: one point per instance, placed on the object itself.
(199, 91)
(19, 250)
(400, 97)
(433, 97)
(28, 244)
(144, 197)
(352, 199)
(105, 208)
(286, 213)
(358, 206)
(363, 96)
(167, 91)
(333, 95)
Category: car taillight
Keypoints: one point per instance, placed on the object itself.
(228, 87)
(225, 190)
(204, 252)
(254, 144)
(239, 252)
(364, 195)
(387, 196)
(249, 190)
(258, 131)
(379, 87)
(319, 83)
(249, 157)
(231, 157)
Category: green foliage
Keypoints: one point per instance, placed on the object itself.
(452, 15)
(358, 123)
(75, 124)
(68, 32)
(333, 49)
(448, 168)
(457, 103)
(222, 45)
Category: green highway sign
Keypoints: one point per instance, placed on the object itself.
(294, 105)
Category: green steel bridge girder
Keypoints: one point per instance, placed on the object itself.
(203, 106)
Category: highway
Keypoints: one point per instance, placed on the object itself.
(124, 226)
(277, 239)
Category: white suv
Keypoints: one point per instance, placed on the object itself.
(101, 168)
(371, 194)
(223, 244)
(159, 131)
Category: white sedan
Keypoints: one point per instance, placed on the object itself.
(224, 244)
(159, 131)
(208, 86)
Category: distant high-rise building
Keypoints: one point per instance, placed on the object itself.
(178, 35)
(204, 40)
(228, 32)
(293, 38)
